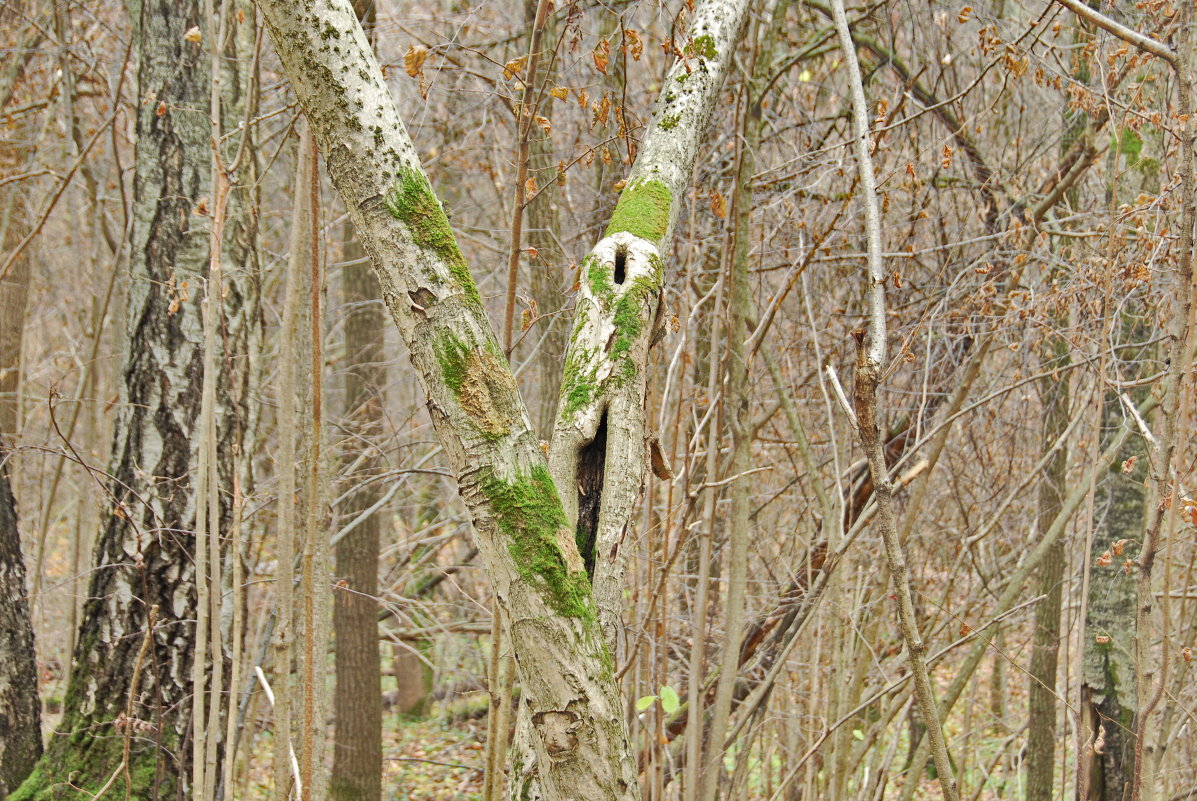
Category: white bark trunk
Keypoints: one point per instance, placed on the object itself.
(618, 309)
(581, 744)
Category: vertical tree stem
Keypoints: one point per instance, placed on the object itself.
(870, 360)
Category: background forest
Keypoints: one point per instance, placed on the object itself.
(248, 535)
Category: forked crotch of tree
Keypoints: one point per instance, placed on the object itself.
(560, 593)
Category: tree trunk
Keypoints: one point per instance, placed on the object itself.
(1108, 696)
(20, 712)
(143, 558)
(547, 271)
(357, 697)
(1045, 647)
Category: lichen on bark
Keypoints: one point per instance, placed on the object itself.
(643, 210)
(412, 202)
(528, 512)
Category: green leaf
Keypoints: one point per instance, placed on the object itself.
(645, 702)
(669, 700)
(858, 734)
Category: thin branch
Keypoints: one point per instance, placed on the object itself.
(1132, 37)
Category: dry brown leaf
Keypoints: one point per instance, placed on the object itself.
(718, 204)
(413, 60)
(514, 67)
(601, 55)
(632, 43)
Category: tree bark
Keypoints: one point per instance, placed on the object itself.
(1045, 646)
(357, 697)
(20, 711)
(143, 556)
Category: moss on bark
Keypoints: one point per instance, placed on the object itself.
(83, 760)
(482, 383)
(528, 512)
(412, 202)
(643, 210)
(703, 46)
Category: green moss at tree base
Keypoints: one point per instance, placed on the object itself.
(643, 210)
(412, 202)
(529, 514)
(79, 765)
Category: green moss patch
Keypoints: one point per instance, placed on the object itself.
(482, 383)
(598, 278)
(629, 322)
(85, 761)
(703, 46)
(412, 202)
(579, 382)
(529, 514)
(643, 211)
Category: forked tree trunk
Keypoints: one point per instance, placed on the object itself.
(578, 735)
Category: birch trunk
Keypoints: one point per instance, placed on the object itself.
(20, 711)
(143, 555)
